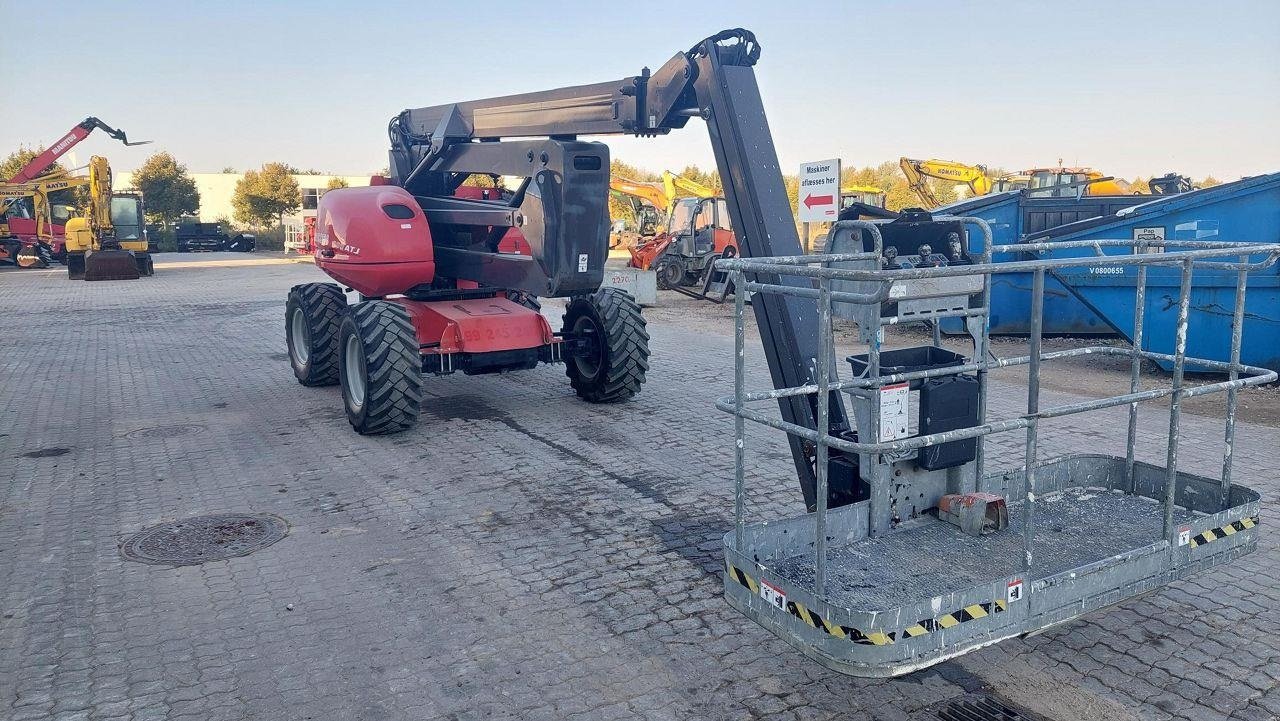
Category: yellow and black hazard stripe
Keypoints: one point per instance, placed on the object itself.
(971, 612)
(1230, 529)
(743, 579)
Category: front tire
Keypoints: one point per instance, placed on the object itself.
(380, 368)
(670, 272)
(312, 317)
(612, 368)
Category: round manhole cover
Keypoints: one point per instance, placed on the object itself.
(193, 541)
(170, 431)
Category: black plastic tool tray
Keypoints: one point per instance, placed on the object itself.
(907, 360)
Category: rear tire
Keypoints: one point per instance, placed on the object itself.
(312, 317)
(614, 369)
(380, 367)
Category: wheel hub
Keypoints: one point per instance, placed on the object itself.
(300, 336)
(591, 358)
(353, 371)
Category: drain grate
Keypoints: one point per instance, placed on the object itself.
(981, 709)
(201, 539)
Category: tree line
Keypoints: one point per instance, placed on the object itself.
(264, 196)
(261, 199)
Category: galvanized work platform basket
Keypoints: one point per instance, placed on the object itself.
(884, 586)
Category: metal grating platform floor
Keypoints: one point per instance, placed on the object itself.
(1073, 527)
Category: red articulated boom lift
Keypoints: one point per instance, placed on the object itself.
(448, 280)
(449, 275)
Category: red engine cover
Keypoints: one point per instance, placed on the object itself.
(374, 239)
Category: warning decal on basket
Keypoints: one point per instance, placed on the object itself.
(1184, 535)
(894, 400)
(1015, 590)
(773, 594)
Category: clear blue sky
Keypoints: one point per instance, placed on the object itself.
(1127, 87)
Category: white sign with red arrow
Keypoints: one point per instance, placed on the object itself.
(819, 191)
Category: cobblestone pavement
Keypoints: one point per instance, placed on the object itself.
(519, 554)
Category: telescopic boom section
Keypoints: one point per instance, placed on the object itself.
(41, 162)
(434, 149)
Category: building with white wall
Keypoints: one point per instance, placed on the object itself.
(216, 190)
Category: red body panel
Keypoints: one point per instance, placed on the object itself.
(477, 325)
(24, 231)
(360, 245)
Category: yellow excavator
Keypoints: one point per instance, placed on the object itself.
(109, 242)
(650, 203)
(44, 221)
(1039, 182)
(974, 176)
(1065, 182)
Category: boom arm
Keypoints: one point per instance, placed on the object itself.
(433, 149)
(975, 176)
(73, 137)
(651, 193)
(691, 188)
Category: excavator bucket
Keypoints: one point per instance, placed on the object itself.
(110, 265)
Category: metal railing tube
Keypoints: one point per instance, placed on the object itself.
(824, 409)
(878, 518)
(739, 429)
(1033, 407)
(881, 294)
(982, 348)
(1175, 403)
(1237, 335)
(1135, 369)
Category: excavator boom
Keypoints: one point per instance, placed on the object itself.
(650, 192)
(918, 171)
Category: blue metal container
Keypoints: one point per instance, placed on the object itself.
(1014, 215)
(1246, 211)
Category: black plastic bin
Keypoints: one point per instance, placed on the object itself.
(907, 360)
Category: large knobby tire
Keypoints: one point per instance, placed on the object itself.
(312, 317)
(614, 366)
(670, 272)
(380, 367)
